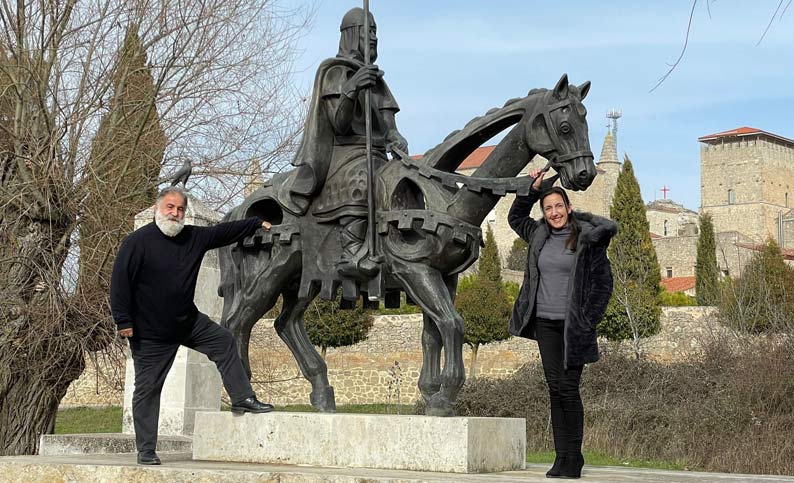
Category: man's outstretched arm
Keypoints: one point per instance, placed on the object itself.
(228, 232)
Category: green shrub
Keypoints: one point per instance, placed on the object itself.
(729, 410)
(762, 298)
(677, 299)
(517, 258)
(329, 326)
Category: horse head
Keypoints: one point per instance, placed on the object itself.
(558, 132)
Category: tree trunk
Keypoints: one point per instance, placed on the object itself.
(41, 342)
(29, 402)
(322, 352)
(473, 368)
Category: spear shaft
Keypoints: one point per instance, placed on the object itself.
(371, 240)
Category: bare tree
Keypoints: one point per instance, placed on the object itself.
(632, 296)
(780, 11)
(221, 71)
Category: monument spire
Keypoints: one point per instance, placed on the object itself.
(609, 152)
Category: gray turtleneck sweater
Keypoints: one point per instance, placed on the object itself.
(554, 264)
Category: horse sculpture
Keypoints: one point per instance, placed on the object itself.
(428, 231)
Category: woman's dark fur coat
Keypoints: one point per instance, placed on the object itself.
(589, 289)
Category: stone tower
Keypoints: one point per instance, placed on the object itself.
(746, 180)
(598, 197)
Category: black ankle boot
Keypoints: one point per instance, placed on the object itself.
(556, 468)
(572, 467)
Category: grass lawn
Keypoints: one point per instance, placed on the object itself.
(598, 459)
(108, 420)
(88, 420)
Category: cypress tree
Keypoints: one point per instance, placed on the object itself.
(483, 303)
(123, 168)
(517, 258)
(706, 268)
(634, 309)
(490, 266)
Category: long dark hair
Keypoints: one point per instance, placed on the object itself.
(570, 243)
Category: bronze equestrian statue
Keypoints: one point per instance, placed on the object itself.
(428, 218)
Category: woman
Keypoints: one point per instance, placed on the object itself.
(567, 285)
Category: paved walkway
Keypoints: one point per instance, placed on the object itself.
(179, 467)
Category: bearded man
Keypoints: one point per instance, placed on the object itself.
(151, 296)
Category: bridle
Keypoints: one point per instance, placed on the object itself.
(553, 153)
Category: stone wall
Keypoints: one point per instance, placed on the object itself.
(367, 372)
(678, 253)
(667, 218)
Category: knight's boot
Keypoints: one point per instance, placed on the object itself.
(355, 257)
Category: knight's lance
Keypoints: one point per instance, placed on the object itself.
(368, 132)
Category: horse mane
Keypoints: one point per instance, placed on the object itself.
(450, 153)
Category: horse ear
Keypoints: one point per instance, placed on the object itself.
(561, 89)
(584, 89)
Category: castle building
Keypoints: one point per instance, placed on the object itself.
(746, 182)
(747, 177)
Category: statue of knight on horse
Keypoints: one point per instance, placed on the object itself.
(349, 218)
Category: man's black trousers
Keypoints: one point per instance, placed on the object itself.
(153, 359)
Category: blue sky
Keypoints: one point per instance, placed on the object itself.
(449, 61)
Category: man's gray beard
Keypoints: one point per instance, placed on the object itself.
(170, 227)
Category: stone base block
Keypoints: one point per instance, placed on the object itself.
(105, 443)
(422, 443)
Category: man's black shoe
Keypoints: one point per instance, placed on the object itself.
(148, 458)
(251, 405)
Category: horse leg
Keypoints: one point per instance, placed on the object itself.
(429, 289)
(430, 374)
(250, 288)
(289, 326)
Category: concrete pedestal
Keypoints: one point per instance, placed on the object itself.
(193, 384)
(458, 445)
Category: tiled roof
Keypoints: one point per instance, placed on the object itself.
(478, 156)
(678, 284)
(475, 159)
(741, 132)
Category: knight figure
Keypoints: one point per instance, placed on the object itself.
(331, 162)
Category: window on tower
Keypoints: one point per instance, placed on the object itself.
(731, 197)
(665, 228)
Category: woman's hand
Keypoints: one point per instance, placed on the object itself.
(266, 225)
(538, 175)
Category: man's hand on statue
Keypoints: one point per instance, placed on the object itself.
(125, 332)
(266, 225)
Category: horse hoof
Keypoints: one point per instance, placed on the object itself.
(440, 406)
(323, 399)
